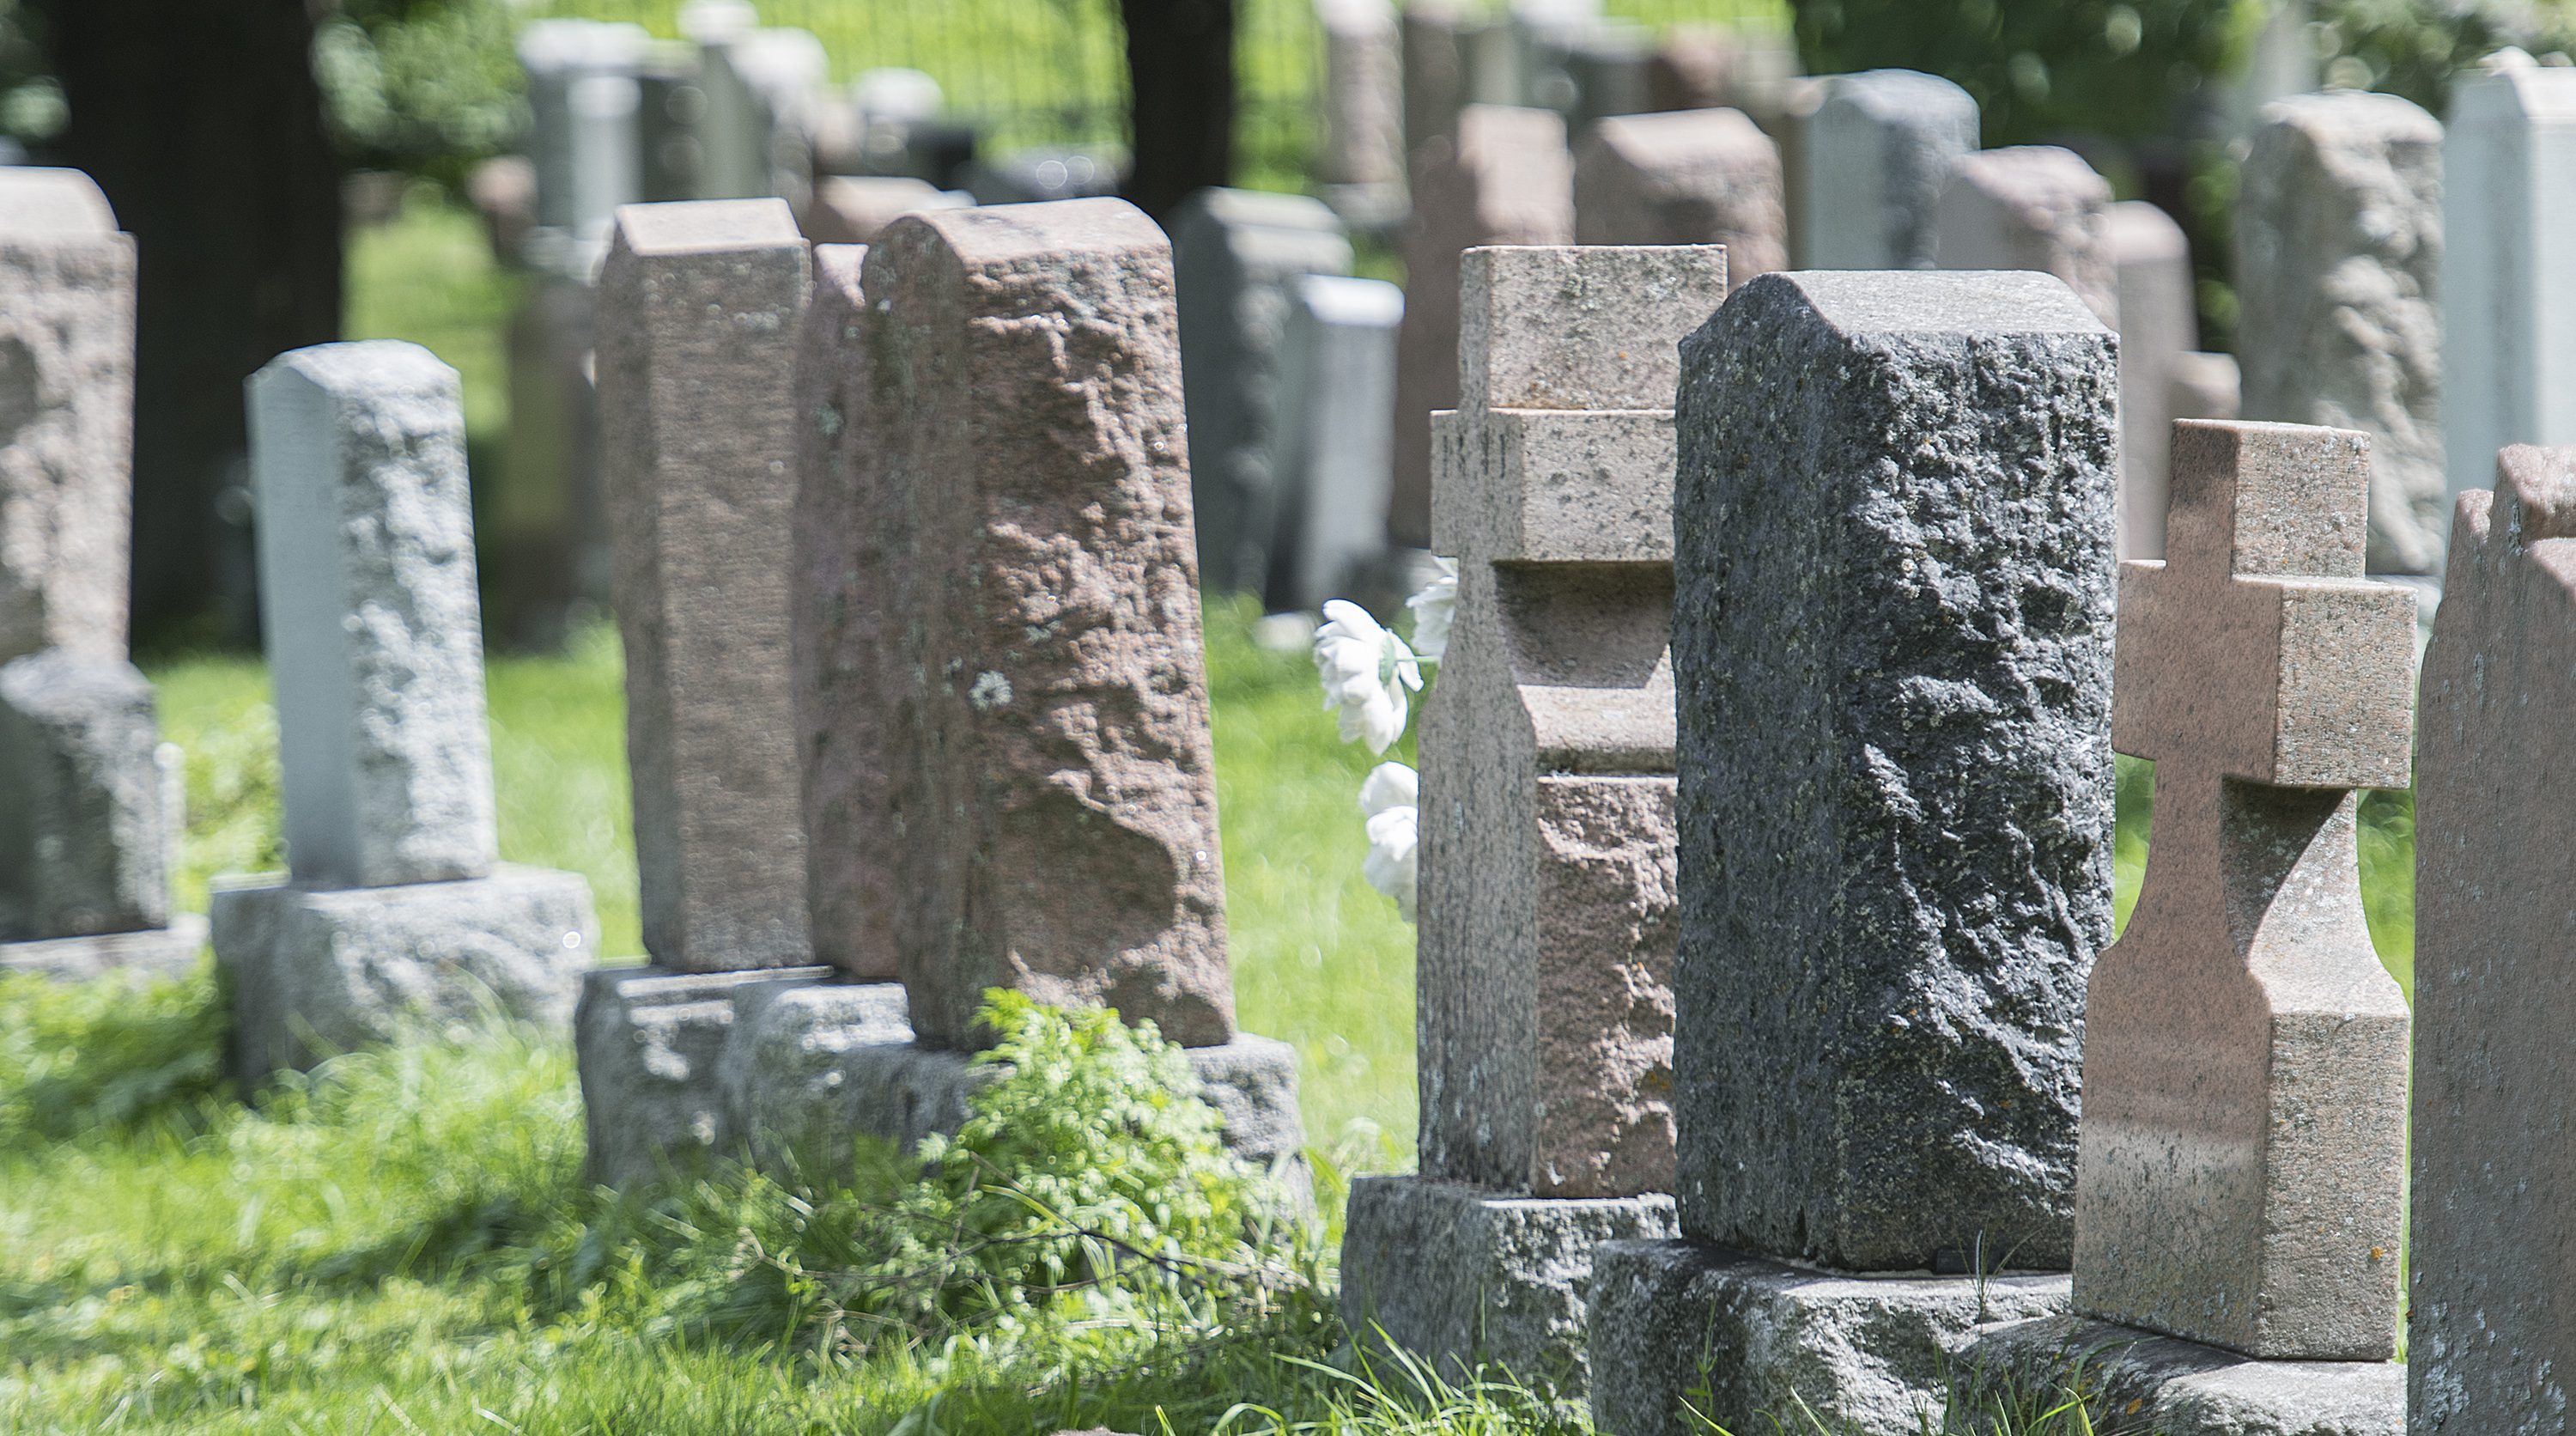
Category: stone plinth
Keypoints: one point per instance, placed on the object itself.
(2180, 1388)
(1746, 1339)
(1892, 525)
(1334, 445)
(88, 799)
(2159, 321)
(2491, 1313)
(698, 313)
(1699, 177)
(2338, 252)
(1877, 150)
(2033, 207)
(2245, 1053)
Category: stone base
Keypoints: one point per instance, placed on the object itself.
(316, 972)
(678, 1067)
(1459, 1275)
(2138, 1381)
(1744, 1339)
(154, 952)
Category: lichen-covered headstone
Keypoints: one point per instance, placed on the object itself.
(1697, 177)
(1876, 151)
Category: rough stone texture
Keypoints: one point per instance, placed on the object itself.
(1548, 892)
(2242, 1174)
(2181, 1388)
(648, 1041)
(784, 1071)
(2338, 251)
(1892, 526)
(2031, 207)
(2159, 321)
(849, 209)
(373, 631)
(2492, 1311)
(1877, 150)
(66, 415)
(1505, 179)
(698, 314)
(2508, 266)
(1334, 445)
(1236, 254)
(315, 973)
(1462, 1277)
(86, 795)
(1673, 1319)
(1699, 177)
(1039, 700)
(1363, 96)
(152, 952)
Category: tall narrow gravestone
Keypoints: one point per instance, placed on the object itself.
(1876, 151)
(88, 797)
(1548, 905)
(1892, 647)
(2159, 322)
(2491, 1315)
(397, 909)
(1362, 162)
(1333, 447)
(2031, 207)
(1699, 177)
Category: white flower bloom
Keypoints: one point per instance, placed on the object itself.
(1433, 609)
(1366, 671)
(1388, 799)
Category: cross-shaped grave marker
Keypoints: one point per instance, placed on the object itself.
(2241, 1172)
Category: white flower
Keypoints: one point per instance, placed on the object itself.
(1388, 800)
(1433, 609)
(1366, 671)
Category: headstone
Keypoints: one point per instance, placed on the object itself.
(756, 83)
(850, 210)
(396, 910)
(1362, 163)
(1891, 635)
(671, 104)
(1333, 447)
(2338, 251)
(84, 833)
(1701, 67)
(544, 524)
(698, 313)
(2205, 386)
(1035, 176)
(1876, 153)
(1507, 179)
(1434, 36)
(502, 191)
(1548, 895)
(2508, 265)
(2159, 322)
(2245, 1054)
(1697, 177)
(2491, 1329)
(1604, 65)
(2031, 207)
(583, 102)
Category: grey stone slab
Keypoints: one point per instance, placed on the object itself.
(2338, 255)
(543, 520)
(2205, 386)
(66, 415)
(1698, 177)
(1363, 96)
(160, 952)
(368, 607)
(2141, 1382)
(2491, 1312)
(1461, 1277)
(583, 131)
(1892, 633)
(1236, 254)
(699, 311)
(1744, 1340)
(86, 820)
(1877, 151)
(1334, 445)
(2159, 322)
(648, 1042)
(1433, 38)
(314, 973)
(2038, 207)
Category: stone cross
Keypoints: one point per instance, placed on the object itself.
(1876, 151)
(1548, 895)
(698, 313)
(1333, 447)
(2491, 1313)
(366, 556)
(1699, 177)
(2031, 207)
(2338, 251)
(2159, 323)
(1505, 179)
(2244, 1052)
(1891, 630)
(2508, 265)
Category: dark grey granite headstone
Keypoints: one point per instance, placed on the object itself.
(1892, 634)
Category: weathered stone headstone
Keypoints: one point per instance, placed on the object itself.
(584, 137)
(544, 525)
(1603, 65)
(1548, 899)
(756, 84)
(1235, 254)
(2205, 386)
(1875, 153)
(1891, 637)
(396, 909)
(1361, 166)
(2159, 322)
(851, 210)
(1434, 37)
(2491, 1314)
(697, 336)
(2338, 250)
(2508, 265)
(2245, 1053)
(84, 828)
(1697, 177)
(2031, 207)
(1506, 179)
(1333, 448)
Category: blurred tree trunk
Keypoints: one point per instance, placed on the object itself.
(1180, 71)
(202, 122)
